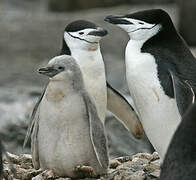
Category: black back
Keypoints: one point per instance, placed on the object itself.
(73, 27)
(169, 49)
(180, 160)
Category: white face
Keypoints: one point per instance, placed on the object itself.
(82, 39)
(140, 30)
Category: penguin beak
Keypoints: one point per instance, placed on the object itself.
(99, 32)
(48, 71)
(117, 20)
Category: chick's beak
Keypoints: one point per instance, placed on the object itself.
(48, 71)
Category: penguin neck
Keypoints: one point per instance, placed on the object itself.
(65, 49)
(58, 89)
(78, 52)
(67, 83)
(167, 39)
(90, 62)
(86, 53)
(136, 46)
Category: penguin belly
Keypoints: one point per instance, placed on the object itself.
(93, 71)
(64, 136)
(158, 113)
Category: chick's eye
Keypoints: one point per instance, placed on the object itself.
(141, 23)
(60, 68)
(81, 33)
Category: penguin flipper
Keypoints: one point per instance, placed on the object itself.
(33, 119)
(183, 92)
(122, 109)
(97, 132)
(34, 144)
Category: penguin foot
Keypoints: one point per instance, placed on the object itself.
(48, 174)
(84, 171)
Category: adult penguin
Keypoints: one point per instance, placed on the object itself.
(160, 71)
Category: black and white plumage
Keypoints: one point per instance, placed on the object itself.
(161, 73)
(66, 129)
(180, 159)
(82, 41)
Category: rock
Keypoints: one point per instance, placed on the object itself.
(114, 163)
(124, 159)
(155, 173)
(23, 167)
(137, 167)
(143, 156)
(155, 155)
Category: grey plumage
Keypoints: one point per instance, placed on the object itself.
(180, 160)
(66, 130)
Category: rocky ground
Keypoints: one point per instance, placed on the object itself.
(142, 166)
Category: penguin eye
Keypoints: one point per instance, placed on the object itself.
(141, 23)
(61, 68)
(81, 33)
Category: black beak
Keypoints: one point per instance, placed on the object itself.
(99, 32)
(48, 71)
(116, 20)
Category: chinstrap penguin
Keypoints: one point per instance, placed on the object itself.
(180, 159)
(160, 71)
(81, 40)
(66, 130)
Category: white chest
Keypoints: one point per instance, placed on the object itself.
(93, 71)
(158, 113)
(63, 129)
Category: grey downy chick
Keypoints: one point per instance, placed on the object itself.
(66, 130)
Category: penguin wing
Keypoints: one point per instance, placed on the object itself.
(34, 143)
(33, 118)
(123, 111)
(183, 92)
(97, 132)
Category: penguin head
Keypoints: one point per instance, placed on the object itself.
(83, 34)
(142, 25)
(61, 67)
